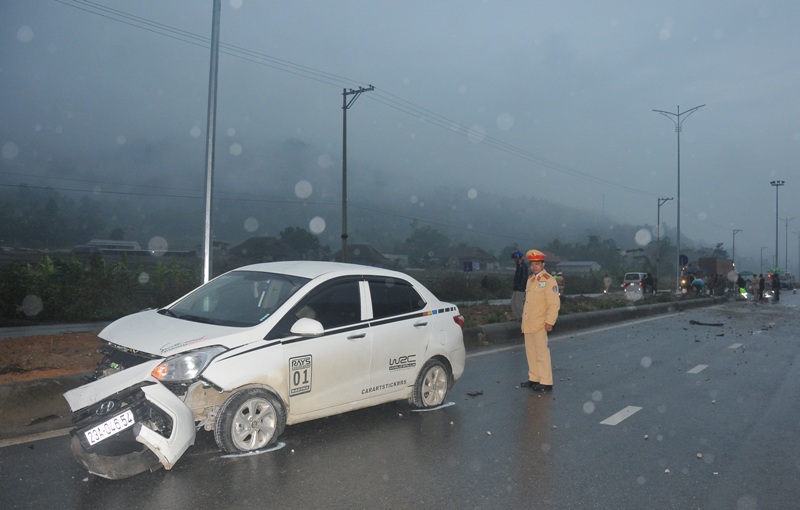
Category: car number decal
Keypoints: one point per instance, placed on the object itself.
(299, 375)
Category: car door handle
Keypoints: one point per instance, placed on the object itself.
(356, 337)
(420, 324)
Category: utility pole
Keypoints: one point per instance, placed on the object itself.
(733, 253)
(776, 184)
(346, 106)
(211, 124)
(676, 119)
(786, 243)
(661, 201)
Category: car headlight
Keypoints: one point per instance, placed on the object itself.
(186, 367)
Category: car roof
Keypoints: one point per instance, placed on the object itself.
(314, 269)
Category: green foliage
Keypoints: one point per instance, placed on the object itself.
(426, 246)
(57, 290)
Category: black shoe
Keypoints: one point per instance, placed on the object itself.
(528, 384)
(543, 387)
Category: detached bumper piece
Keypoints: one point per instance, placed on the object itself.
(162, 430)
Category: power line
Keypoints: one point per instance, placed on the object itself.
(383, 97)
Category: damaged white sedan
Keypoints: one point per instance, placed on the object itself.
(256, 349)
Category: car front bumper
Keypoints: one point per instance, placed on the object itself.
(164, 426)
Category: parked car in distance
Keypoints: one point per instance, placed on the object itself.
(633, 282)
(256, 349)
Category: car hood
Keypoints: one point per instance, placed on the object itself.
(160, 335)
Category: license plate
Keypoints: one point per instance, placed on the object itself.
(110, 427)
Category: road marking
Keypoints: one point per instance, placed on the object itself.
(616, 419)
(735, 346)
(697, 369)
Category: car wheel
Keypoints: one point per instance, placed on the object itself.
(430, 389)
(249, 420)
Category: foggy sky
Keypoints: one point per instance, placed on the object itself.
(552, 100)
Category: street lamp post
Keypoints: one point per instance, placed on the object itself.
(733, 250)
(676, 119)
(661, 201)
(777, 185)
(761, 261)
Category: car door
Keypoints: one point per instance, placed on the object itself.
(401, 332)
(332, 369)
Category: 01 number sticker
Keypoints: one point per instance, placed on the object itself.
(299, 375)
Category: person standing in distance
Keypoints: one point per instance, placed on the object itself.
(539, 315)
(520, 281)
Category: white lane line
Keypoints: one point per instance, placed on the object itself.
(697, 369)
(616, 419)
(735, 346)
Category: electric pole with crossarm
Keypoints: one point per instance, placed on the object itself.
(346, 106)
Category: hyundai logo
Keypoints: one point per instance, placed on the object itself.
(106, 407)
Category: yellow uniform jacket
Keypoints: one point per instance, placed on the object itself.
(541, 302)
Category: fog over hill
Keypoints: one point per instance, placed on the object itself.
(151, 188)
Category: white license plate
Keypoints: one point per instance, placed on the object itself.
(110, 427)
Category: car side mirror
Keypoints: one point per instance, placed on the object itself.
(307, 327)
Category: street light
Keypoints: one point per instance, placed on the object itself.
(733, 254)
(661, 202)
(777, 185)
(761, 261)
(676, 119)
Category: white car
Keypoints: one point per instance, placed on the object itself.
(258, 348)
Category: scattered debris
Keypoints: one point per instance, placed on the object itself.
(698, 323)
(475, 393)
(43, 419)
(699, 455)
(646, 437)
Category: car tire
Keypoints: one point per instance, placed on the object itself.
(249, 420)
(430, 388)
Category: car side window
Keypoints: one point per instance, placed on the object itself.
(391, 296)
(333, 304)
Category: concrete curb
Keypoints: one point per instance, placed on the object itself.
(38, 406)
(510, 332)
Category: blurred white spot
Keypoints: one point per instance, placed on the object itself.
(646, 362)
(666, 29)
(796, 136)
(25, 33)
(406, 81)
(236, 4)
(143, 278)
(588, 407)
(719, 34)
(641, 480)
(236, 149)
(251, 224)
(472, 194)
(545, 447)
(746, 503)
(662, 409)
(195, 132)
(303, 189)
(476, 134)
(324, 161)
(231, 132)
(121, 140)
(505, 121)
(643, 237)
(158, 246)
(10, 150)
(414, 199)
(455, 127)
(316, 225)
(597, 395)
(462, 89)
(702, 216)
(31, 305)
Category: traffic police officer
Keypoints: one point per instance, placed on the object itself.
(539, 315)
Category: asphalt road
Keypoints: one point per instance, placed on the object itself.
(697, 409)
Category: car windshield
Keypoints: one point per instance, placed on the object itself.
(239, 298)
